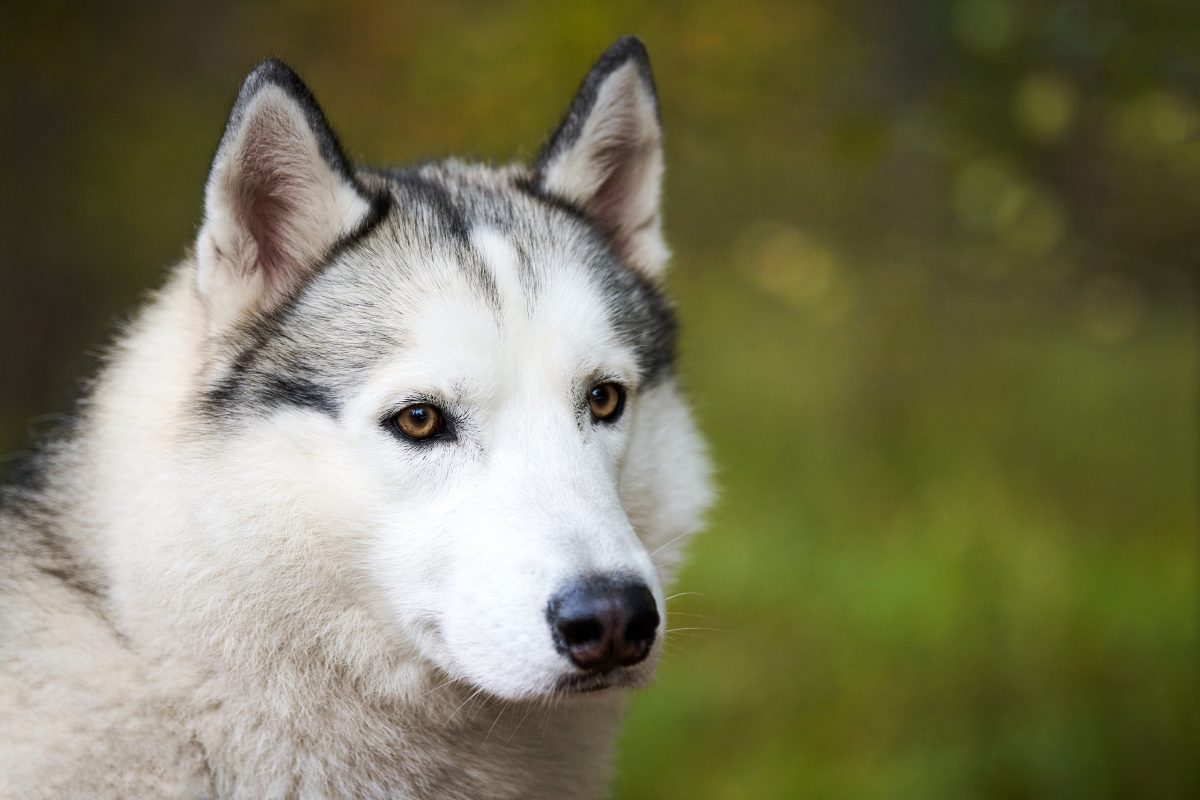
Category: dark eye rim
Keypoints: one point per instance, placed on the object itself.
(618, 412)
(444, 431)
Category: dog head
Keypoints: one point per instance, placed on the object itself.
(455, 383)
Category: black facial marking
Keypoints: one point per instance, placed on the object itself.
(642, 316)
(255, 336)
(526, 274)
(472, 263)
(529, 185)
(258, 379)
(416, 190)
(290, 390)
(257, 387)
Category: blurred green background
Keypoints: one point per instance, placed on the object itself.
(937, 266)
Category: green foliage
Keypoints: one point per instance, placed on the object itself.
(948, 562)
(936, 263)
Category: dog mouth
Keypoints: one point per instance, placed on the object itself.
(594, 682)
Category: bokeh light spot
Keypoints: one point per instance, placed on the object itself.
(1044, 106)
(1157, 119)
(790, 264)
(988, 195)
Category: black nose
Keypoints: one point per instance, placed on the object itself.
(601, 622)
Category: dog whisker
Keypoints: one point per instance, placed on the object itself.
(520, 722)
(503, 707)
(665, 545)
(683, 594)
(470, 697)
(677, 630)
(440, 686)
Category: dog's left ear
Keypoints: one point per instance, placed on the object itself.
(606, 156)
(280, 195)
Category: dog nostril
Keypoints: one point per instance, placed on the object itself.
(601, 622)
(640, 630)
(642, 627)
(581, 631)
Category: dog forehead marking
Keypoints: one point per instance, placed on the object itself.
(499, 254)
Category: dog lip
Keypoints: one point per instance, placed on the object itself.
(600, 687)
(588, 683)
(583, 683)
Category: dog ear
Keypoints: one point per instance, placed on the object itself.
(606, 156)
(280, 195)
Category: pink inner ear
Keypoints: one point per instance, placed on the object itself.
(619, 162)
(268, 198)
(620, 156)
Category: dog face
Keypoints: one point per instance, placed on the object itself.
(456, 382)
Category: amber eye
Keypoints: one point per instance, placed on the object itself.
(606, 401)
(419, 421)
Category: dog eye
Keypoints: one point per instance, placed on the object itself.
(419, 421)
(606, 401)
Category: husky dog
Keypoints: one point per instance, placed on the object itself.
(378, 495)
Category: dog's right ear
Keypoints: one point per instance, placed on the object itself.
(279, 196)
